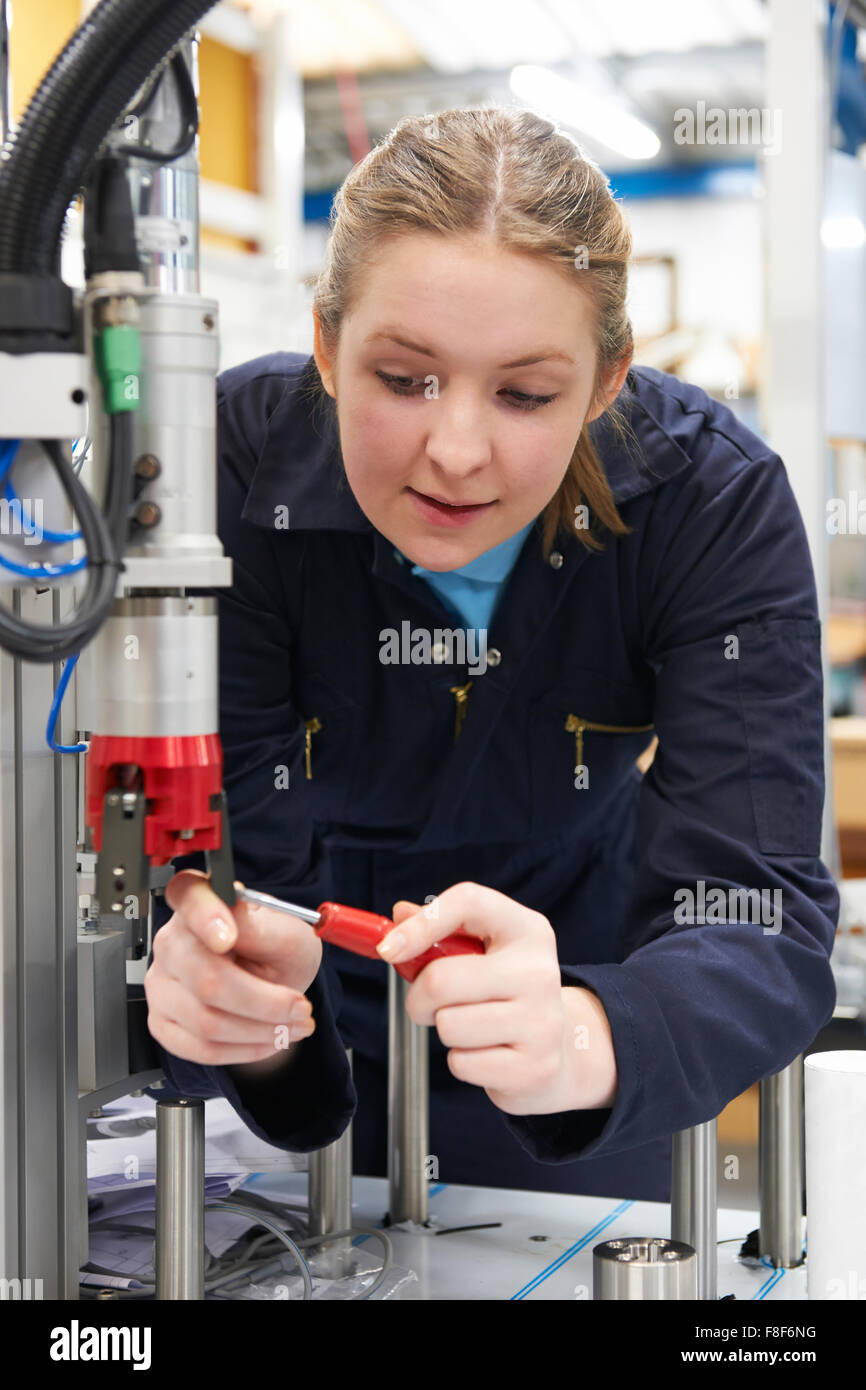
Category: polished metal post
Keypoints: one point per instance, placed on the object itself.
(329, 1196)
(42, 1170)
(408, 1108)
(642, 1268)
(5, 75)
(179, 1257)
(693, 1200)
(780, 1166)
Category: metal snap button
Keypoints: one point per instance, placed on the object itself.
(494, 656)
(555, 560)
(439, 652)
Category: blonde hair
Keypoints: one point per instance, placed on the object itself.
(509, 173)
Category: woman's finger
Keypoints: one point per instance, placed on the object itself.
(189, 894)
(480, 911)
(460, 980)
(181, 1043)
(500, 1070)
(502, 1023)
(268, 935)
(223, 983)
(177, 1003)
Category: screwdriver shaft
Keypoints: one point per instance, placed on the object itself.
(250, 895)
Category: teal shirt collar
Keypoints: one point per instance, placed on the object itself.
(491, 566)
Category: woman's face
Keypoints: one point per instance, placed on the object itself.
(453, 412)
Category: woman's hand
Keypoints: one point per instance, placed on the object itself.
(227, 984)
(511, 1027)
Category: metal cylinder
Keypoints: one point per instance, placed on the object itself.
(179, 1254)
(165, 197)
(780, 1166)
(329, 1197)
(644, 1267)
(693, 1200)
(408, 1108)
(174, 437)
(5, 89)
(151, 670)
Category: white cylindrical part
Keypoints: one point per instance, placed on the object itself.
(836, 1175)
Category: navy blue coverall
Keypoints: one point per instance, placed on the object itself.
(383, 802)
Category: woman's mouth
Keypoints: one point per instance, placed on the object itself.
(446, 513)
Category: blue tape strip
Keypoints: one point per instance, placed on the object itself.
(768, 1283)
(571, 1252)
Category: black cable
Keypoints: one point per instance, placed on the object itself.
(45, 162)
(105, 539)
(189, 117)
(87, 87)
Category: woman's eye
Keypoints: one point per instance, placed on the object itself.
(527, 402)
(401, 385)
(410, 385)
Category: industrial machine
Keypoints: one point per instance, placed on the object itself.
(108, 554)
(108, 563)
(109, 557)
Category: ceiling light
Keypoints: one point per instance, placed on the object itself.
(591, 112)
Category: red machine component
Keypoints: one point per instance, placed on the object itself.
(180, 779)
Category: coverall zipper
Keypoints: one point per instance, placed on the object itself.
(312, 727)
(461, 695)
(575, 725)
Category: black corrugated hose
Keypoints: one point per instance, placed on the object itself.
(44, 163)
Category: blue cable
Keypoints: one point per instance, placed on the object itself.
(12, 446)
(43, 571)
(8, 450)
(55, 710)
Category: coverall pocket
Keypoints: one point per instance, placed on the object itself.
(584, 738)
(329, 747)
(781, 689)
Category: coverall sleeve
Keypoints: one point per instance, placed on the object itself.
(700, 1009)
(311, 1099)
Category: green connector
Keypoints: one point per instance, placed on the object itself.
(118, 362)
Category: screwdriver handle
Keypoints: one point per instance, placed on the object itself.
(361, 932)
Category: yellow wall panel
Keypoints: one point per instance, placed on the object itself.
(228, 89)
(228, 100)
(228, 94)
(40, 29)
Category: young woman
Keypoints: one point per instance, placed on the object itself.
(478, 559)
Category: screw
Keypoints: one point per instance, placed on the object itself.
(147, 514)
(148, 466)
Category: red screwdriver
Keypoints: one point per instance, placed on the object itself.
(361, 932)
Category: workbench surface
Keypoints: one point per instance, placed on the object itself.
(542, 1249)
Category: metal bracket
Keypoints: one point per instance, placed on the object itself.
(122, 870)
(220, 862)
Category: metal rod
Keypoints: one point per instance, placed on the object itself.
(780, 1166)
(5, 74)
(693, 1200)
(644, 1268)
(329, 1196)
(252, 895)
(408, 1108)
(179, 1256)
